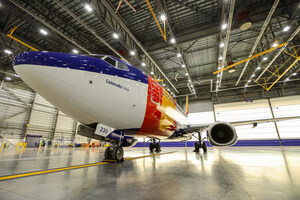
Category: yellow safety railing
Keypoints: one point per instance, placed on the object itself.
(163, 33)
(18, 40)
(255, 56)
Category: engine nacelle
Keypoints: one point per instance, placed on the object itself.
(222, 134)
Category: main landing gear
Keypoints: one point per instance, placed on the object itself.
(155, 146)
(200, 144)
(114, 153)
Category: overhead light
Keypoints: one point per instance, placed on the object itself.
(224, 26)
(218, 81)
(115, 35)
(75, 51)
(183, 65)
(8, 78)
(7, 51)
(173, 40)
(218, 75)
(285, 29)
(186, 74)
(179, 55)
(217, 89)
(163, 17)
(265, 58)
(275, 44)
(16, 75)
(192, 86)
(231, 70)
(132, 53)
(168, 89)
(190, 80)
(287, 79)
(220, 58)
(249, 81)
(222, 44)
(151, 73)
(143, 64)
(164, 85)
(174, 96)
(88, 8)
(294, 74)
(258, 68)
(43, 31)
(219, 68)
(253, 75)
(246, 85)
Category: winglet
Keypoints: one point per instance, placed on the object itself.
(187, 106)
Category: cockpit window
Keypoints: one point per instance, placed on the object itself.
(122, 66)
(110, 61)
(95, 56)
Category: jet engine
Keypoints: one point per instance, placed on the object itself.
(222, 134)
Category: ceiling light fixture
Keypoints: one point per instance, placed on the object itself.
(8, 78)
(75, 51)
(172, 40)
(186, 74)
(224, 26)
(163, 18)
(222, 44)
(265, 58)
(151, 73)
(294, 74)
(253, 75)
(286, 29)
(88, 8)
(132, 53)
(43, 31)
(115, 35)
(179, 55)
(275, 44)
(287, 79)
(7, 51)
(183, 65)
(143, 64)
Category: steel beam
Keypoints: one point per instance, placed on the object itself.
(259, 37)
(124, 26)
(89, 29)
(279, 52)
(48, 25)
(229, 23)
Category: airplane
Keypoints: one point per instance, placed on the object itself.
(114, 101)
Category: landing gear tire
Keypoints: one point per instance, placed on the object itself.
(117, 154)
(157, 147)
(197, 147)
(151, 147)
(204, 147)
(107, 155)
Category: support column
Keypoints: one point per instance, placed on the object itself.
(74, 131)
(27, 123)
(275, 123)
(54, 125)
(213, 107)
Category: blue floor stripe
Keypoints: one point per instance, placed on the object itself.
(285, 142)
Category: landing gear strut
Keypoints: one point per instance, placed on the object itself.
(155, 146)
(114, 153)
(200, 144)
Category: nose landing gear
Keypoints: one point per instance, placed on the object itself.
(114, 153)
(155, 146)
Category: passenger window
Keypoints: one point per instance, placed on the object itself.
(122, 66)
(110, 61)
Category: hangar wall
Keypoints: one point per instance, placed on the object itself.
(24, 112)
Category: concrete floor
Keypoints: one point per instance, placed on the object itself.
(227, 173)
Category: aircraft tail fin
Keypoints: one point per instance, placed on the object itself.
(187, 106)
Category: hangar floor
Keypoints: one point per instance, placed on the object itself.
(227, 173)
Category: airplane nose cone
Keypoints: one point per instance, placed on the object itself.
(48, 73)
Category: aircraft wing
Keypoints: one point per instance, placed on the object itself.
(203, 127)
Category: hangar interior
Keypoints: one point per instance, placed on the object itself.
(180, 44)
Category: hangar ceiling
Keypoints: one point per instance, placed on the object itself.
(202, 42)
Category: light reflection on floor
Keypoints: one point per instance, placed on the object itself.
(223, 173)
